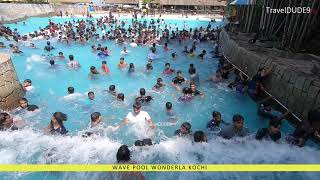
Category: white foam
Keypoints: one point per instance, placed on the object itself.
(35, 58)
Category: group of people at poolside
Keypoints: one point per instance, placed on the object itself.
(141, 33)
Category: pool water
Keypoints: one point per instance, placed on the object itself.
(30, 145)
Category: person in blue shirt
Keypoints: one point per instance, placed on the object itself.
(56, 124)
(216, 121)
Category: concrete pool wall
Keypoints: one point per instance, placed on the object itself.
(292, 81)
(10, 12)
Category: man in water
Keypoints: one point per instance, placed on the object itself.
(185, 130)
(137, 117)
(216, 121)
(272, 132)
(143, 98)
(236, 129)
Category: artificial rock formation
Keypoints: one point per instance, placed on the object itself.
(10, 88)
(295, 81)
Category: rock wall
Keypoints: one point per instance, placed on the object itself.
(291, 81)
(10, 89)
(10, 12)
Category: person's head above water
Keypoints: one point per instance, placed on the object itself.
(216, 116)
(131, 66)
(70, 90)
(96, 118)
(27, 82)
(71, 57)
(48, 43)
(185, 90)
(23, 103)
(51, 62)
(167, 65)
(59, 117)
(120, 97)
(104, 62)
(91, 95)
(168, 106)
(112, 88)
(185, 128)
(199, 136)
(274, 125)
(238, 121)
(93, 70)
(142, 91)
(137, 107)
(123, 154)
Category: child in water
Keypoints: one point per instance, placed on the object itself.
(105, 67)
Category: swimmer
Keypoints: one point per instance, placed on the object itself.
(174, 56)
(139, 119)
(93, 48)
(24, 105)
(186, 97)
(56, 124)
(91, 96)
(112, 90)
(124, 157)
(60, 56)
(120, 97)
(169, 111)
(99, 48)
(203, 53)
(93, 73)
(106, 51)
(32, 45)
(143, 98)
(200, 137)
(236, 129)
(159, 86)
(27, 85)
(193, 74)
(124, 51)
(105, 67)
(96, 119)
(178, 80)
(166, 48)
(52, 63)
(185, 50)
(7, 122)
(152, 55)
(149, 66)
(131, 68)
(272, 132)
(2, 45)
(193, 90)
(133, 44)
(48, 47)
(190, 53)
(122, 63)
(184, 131)
(168, 70)
(73, 63)
(216, 121)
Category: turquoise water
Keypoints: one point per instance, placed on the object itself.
(29, 145)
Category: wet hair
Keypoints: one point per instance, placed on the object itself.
(142, 92)
(120, 96)
(95, 116)
(185, 90)
(192, 83)
(123, 154)
(93, 46)
(216, 113)
(187, 126)
(112, 87)
(122, 58)
(159, 80)
(131, 65)
(28, 81)
(71, 57)
(90, 93)
(275, 123)
(48, 42)
(60, 53)
(137, 105)
(104, 62)
(60, 117)
(191, 65)
(178, 72)
(167, 64)
(144, 142)
(23, 99)
(237, 117)
(92, 68)
(169, 105)
(70, 90)
(51, 62)
(3, 117)
(199, 136)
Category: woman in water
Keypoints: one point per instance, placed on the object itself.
(56, 124)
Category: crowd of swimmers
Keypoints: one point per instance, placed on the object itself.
(139, 33)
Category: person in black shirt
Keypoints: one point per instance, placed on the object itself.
(216, 121)
(193, 90)
(143, 98)
(149, 66)
(178, 80)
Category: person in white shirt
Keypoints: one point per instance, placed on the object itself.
(137, 116)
